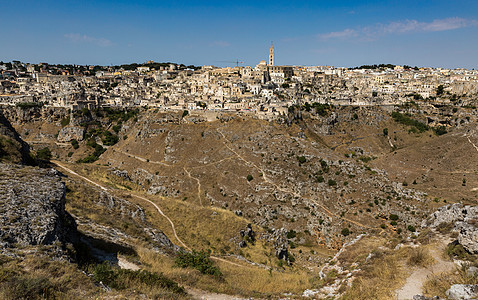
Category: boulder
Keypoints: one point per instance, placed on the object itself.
(464, 219)
(463, 291)
(468, 237)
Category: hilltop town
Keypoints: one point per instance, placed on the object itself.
(167, 181)
(266, 90)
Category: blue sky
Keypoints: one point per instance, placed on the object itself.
(340, 33)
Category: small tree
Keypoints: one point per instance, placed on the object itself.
(331, 182)
(345, 232)
(44, 154)
(74, 143)
(301, 159)
(440, 90)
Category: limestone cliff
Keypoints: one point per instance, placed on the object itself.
(32, 205)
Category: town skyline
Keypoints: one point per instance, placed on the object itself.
(346, 34)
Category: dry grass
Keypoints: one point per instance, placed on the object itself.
(419, 257)
(358, 252)
(426, 236)
(213, 227)
(247, 281)
(204, 228)
(379, 279)
(385, 271)
(38, 277)
(438, 284)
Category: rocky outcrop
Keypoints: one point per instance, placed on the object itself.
(130, 213)
(463, 291)
(12, 147)
(464, 219)
(161, 241)
(32, 206)
(468, 236)
(281, 244)
(18, 115)
(248, 236)
(124, 207)
(67, 134)
(421, 297)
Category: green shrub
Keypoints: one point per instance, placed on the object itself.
(406, 120)
(345, 232)
(365, 159)
(197, 260)
(291, 234)
(301, 159)
(440, 130)
(117, 128)
(75, 144)
(109, 138)
(332, 182)
(393, 217)
(94, 156)
(411, 228)
(24, 105)
(105, 273)
(65, 121)
(122, 279)
(91, 143)
(26, 287)
(44, 154)
(249, 177)
(456, 250)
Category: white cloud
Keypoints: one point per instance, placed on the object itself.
(83, 38)
(401, 27)
(347, 33)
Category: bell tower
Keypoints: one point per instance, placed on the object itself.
(271, 55)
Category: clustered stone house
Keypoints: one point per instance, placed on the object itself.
(265, 89)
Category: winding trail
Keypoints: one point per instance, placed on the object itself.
(152, 203)
(143, 159)
(167, 218)
(199, 184)
(414, 283)
(266, 179)
(468, 137)
(139, 197)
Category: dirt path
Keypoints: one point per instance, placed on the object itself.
(198, 182)
(142, 158)
(123, 263)
(264, 176)
(414, 283)
(469, 140)
(152, 203)
(266, 179)
(198, 294)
